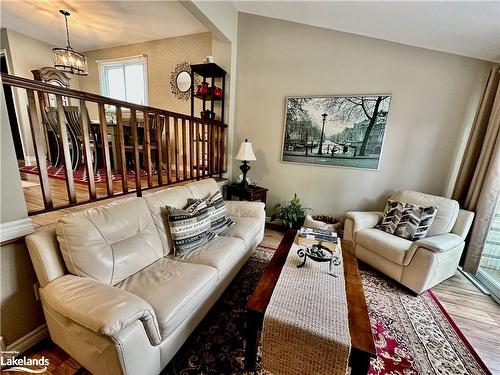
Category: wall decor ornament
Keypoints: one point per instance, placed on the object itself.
(180, 81)
(335, 131)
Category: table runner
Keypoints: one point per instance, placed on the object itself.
(306, 326)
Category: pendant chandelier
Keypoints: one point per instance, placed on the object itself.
(67, 59)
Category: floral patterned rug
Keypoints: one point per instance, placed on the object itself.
(413, 335)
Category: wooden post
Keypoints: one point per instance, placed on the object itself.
(40, 155)
(147, 149)
(85, 124)
(176, 148)
(184, 150)
(137, 167)
(61, 121)
(105, 149)
(159, 149)
(121, 148)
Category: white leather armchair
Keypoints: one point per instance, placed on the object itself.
(421, 264)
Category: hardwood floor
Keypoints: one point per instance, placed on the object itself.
(476, 314)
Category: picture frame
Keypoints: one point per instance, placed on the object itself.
(335, 130)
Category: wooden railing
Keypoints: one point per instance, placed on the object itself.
(148, 147)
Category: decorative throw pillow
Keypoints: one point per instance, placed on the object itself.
(419, 222)
(389, 221)
(189, 227)
(407, 220)
(217, 213)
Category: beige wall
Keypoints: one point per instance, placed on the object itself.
(163, 55)
(24, 55)
(431, 94)
(20, 313)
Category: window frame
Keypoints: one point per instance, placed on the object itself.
(123, 62)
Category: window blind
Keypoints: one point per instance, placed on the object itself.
(125, 79)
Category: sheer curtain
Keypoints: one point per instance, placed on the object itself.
(478, 184)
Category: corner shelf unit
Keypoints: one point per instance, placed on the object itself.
(212, 74)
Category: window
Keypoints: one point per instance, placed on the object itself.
(125, 79)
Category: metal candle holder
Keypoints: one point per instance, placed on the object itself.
(319, 253)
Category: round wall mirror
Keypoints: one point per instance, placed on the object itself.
(183, 81)
(180, 81)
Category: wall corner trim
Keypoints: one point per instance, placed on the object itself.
(15, 229)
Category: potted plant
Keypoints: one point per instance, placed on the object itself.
(292, 215)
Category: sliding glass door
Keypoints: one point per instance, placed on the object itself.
(489, 266)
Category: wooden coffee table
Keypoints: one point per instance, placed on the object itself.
(362, 345)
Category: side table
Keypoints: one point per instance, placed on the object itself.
(248, 193)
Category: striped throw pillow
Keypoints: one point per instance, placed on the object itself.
(217, 213)
(189, 227)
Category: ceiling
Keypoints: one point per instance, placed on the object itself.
(99, 24)
(468, 28)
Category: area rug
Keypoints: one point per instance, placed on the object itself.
(413, 335)
(80, 175)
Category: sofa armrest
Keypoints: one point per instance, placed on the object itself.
(463, 223)
(365, 220)
(357, 220)
(246, 209)
(99, 307)
(440, 243)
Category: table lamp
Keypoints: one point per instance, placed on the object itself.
(245, 153)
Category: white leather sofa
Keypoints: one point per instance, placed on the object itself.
(417, 265)
(113, 295)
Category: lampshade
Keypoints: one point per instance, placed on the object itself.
(245, 152)
(70, 61)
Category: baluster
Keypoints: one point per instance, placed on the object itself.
(85, 124)
(210, 148)
(147, 149)
(176, 148)
(204, 144)
(191, 149)
(221, 150)
(105, 149)
(197, 150)
(159, 149)
(40, 155)
(167, 138)
(135, 141)
(61, 121)
(121, 148)
(184, 151)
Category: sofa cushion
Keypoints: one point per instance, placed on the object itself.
(174, 289)
(174, 197)
(203, 188)
(221, 253)
(244, 228)
(447, 209)
(111, 242)
(384, 244)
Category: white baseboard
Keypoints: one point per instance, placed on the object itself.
(27, 341)
(15, 229)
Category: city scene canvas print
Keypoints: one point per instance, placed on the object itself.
(339, 131)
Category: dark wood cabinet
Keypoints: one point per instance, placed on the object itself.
(249, 193)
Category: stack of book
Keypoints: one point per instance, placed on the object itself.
(311, 236)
